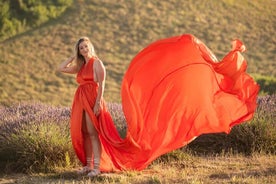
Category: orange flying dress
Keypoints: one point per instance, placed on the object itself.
(173, 91)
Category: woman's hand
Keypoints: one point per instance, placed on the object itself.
(97, 108)
(67, 66)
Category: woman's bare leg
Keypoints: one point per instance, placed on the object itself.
(94, 139)
(87, 142)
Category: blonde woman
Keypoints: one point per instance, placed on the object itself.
(87, 104)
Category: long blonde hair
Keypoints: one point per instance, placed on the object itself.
(79, 58)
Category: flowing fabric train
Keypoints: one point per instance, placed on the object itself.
(173, 91)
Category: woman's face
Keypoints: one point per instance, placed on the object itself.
(84, 49)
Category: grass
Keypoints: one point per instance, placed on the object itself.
(119, 31)
(222, 169)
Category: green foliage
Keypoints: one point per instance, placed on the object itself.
(19, 15)
(37, 147)
(34, 137)
(267, 84)
(9, 25)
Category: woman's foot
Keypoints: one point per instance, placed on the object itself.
(94, 172)
(84, 170)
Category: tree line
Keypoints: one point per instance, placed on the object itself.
(17, 16)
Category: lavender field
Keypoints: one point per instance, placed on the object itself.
(35, 137)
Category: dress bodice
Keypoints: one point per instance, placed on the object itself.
(86, 73)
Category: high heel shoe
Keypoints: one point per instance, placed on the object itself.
(94, 172)
(84, 170)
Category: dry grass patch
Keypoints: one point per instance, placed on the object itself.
(214, 169)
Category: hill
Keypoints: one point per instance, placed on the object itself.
(119, 30)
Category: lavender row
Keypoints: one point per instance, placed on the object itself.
(16, 116)
(23, 113)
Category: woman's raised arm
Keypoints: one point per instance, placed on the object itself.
(68, 67)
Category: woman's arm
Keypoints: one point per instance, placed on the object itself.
(67, 66)
(100, 74)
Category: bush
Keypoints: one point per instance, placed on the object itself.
(256, 136)
(34, 137)
(267, 83)
(118, 117)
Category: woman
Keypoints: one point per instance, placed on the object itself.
(91, 77)
(173, 91)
